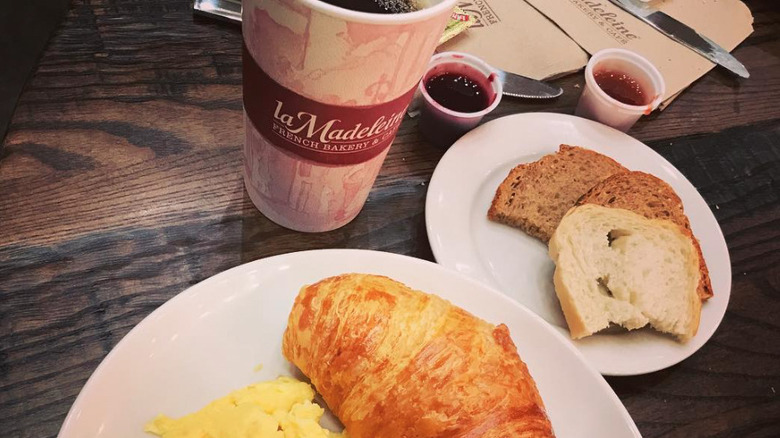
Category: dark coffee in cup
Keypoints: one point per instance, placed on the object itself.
(375, 6)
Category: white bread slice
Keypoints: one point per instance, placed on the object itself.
(617, 266)
(653, 198)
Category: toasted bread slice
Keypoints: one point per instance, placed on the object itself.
(535, 196)
(653, 198)
(614, 266)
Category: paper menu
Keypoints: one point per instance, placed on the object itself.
(513, 36)
(600, 24)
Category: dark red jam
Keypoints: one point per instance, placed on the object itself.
(622, 87)
(460, 91)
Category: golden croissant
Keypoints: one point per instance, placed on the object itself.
(394, 362)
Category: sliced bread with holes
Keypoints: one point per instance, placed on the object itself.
(653, 198)
(614, 266)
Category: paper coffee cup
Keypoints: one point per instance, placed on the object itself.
(325, 89)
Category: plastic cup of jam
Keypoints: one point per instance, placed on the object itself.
(457, 91)
(620, 86)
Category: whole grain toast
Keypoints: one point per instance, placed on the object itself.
(535, 196)
(653, 198)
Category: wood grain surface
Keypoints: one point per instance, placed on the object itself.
(120, 186)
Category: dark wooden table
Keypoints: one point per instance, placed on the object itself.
(120, 186)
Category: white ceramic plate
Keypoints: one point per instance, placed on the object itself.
(463, 239)
(207, 341)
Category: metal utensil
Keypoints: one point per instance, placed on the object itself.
(521, 86)
(229, 10)
(683, 35)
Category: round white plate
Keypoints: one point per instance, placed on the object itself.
(463, 239)
(208, 340)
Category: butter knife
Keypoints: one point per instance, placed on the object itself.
(521, 86)
(683, 35)
(228, 10)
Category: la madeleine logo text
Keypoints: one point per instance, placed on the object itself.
(610, 21)
(303, 129)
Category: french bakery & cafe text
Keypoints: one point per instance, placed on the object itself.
(308, 130)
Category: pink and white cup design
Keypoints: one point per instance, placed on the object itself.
(325, 89)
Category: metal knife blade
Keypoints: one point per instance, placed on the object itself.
(229, 10)
(521, 86)
(683, 34)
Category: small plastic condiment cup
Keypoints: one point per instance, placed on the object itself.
(441, 125)
(597, 105)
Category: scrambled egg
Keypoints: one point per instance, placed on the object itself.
(281, 408)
